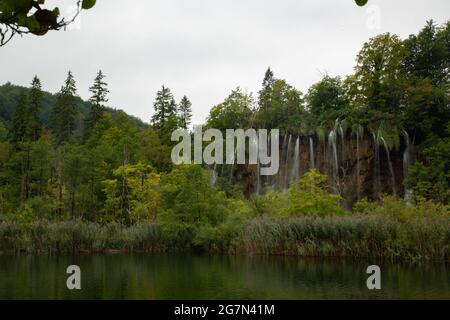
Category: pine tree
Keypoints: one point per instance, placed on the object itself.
(185, 112)
(265, 96)
(65, 111)
(20, 128)
(266, 93)
(165, 107)
(35, 106)
(99, 92)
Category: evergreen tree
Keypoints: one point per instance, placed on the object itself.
(20, 129)
(35, 106)
(428, 54)
(185, 112)
(266, 92)
(165, 107)
(65, 110)
(265, 97)
(99, 92)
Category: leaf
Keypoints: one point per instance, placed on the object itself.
(88, 4)
(46, 18)
(361, 3)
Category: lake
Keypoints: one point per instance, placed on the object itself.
(216, 277)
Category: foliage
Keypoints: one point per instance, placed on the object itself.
(234, 112)
(309, 196)
(356, 236)
(165, 107)
(185, 112)
(30, 16)
(65, 110)
(430, 179)
(99, 93)
(327, 100)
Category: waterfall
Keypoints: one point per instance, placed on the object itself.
(288, 154)
(341, 131)
(358, 167)
(213, 174)
(335, 165)
(280, 175)
(258, 179)
(296, 165)
(269, 179)
(391, 167)
(377, 177)
(232, 166)
(258, 168)
(312, 164)
(408, 160)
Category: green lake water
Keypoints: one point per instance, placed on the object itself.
(211, 277)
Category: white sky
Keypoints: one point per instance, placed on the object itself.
(206, 48)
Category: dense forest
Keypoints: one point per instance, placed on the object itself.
(77, 175)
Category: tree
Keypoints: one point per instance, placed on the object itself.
(152, 149)
(428, 54)
(235, 112)
(265, 95)
(20, 130)
(133, 195)
(430, 176)
(65, 111)
(283, 107)
(185, 112)
(35, 101)
(164, 106)
(326, 99)
(378, 82)
(18, 17)
(309, 196)
(427, 65)
(99, 92)
(189, 198)
(266, 92)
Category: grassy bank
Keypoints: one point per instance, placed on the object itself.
(358, 235)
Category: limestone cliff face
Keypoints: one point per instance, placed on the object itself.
(356, 167)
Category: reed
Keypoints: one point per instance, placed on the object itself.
(357, 235)
(360, 236)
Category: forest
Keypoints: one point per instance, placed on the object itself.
(365, 165)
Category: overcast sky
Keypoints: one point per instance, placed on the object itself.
(205, 48)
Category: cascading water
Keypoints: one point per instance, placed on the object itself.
(296, 163)
(377, 173)
(288, 154)
(213, 174)
(332, 142)
(280, 175)
(358, 165)
(258, 182)
(342, 133)
(312, 164)
(408, 160)
(391, 167)
(232, 166)
(258, 168)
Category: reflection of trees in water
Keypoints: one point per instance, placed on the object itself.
(214, 277)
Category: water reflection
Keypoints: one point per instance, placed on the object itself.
(205, 277)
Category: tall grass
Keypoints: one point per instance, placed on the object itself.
(357, 235)
(76, 236)
(350, 236)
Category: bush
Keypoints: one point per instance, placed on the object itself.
(307, 196)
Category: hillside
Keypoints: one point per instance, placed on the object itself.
(9, 94)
